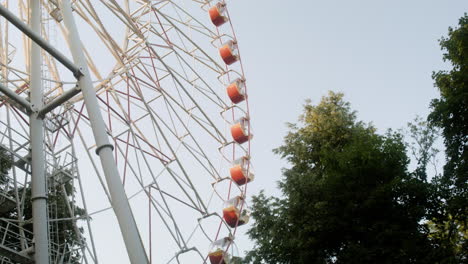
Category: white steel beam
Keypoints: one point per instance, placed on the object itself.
(104, 149)
(36, 126)
(59, 101)
(15, 97)
(36, 37)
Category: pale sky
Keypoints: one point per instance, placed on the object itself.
(380, 54)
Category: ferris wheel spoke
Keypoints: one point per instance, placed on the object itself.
(165, 94)
(122, 15)
(200, 152)
(216, 100)
(191, 114)
(166, 209)
(175, 178)
(192, 70)
(179, 83)
(209, 168)
(204, 60)
(154, 181)
(103, 31)
(175, 236)
(198, 23)
(175, 233)
(187, 37)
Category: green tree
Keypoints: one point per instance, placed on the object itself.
(450, 113)
(63, 232)
(422, 139)
(348, 196)
(445, 233)
(5, 165)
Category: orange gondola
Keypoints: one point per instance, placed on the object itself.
(232, 215)
(229, 52)
(217, 257)
(240, 172)
(217, 14)
(236, 91)
(218, 254)
(240, 132)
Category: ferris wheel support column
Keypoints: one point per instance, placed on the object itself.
(120, 204)
(36, 126)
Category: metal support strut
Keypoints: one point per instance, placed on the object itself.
(120, 204)
(15, 97)
(36, 37)
(36, 127)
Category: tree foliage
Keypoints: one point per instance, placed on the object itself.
(5, 165)
(60, 203)
(450, 113)
(422, 139)
(348, 196)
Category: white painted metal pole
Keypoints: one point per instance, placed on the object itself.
(128, 227)
(36, 37)
(15, 97)
(38, 178)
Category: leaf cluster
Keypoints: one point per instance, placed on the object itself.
(348, 195)
(450, 114)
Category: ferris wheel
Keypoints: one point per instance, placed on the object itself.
(124, 132)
